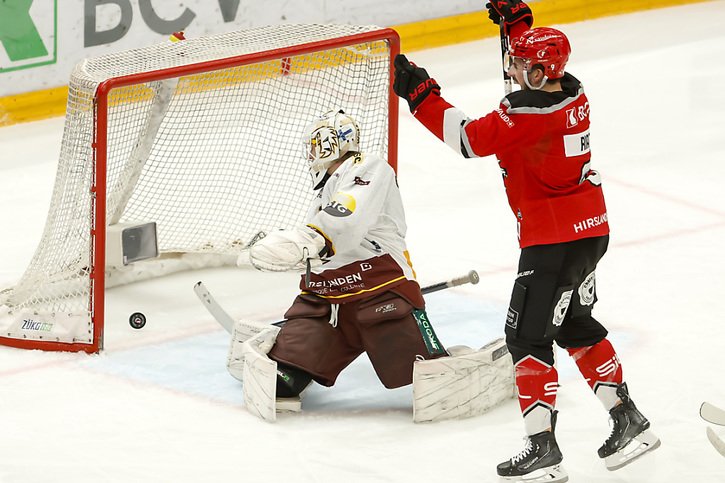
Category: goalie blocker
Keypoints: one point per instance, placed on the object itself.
(464, 384)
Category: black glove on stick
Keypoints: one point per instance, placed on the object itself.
(512, 11)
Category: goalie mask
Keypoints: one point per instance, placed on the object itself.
(327, 140)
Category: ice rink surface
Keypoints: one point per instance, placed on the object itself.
(158, 405)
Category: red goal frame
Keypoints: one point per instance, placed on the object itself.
(98, 204)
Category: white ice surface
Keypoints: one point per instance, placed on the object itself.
(157, 404)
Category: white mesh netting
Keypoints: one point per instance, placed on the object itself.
(211, 157)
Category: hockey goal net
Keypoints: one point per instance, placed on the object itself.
(196, 146)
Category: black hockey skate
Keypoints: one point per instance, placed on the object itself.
(630, 437)
(539, 461)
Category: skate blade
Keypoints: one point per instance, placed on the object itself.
(642, 443)
(551, 474)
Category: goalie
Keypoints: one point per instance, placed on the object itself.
(361, 296)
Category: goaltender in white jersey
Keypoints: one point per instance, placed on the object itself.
(354, 235)
(359, 292)
(360, 214)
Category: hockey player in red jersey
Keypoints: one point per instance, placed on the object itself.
(540, 136)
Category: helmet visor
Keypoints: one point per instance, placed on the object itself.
(515, 62)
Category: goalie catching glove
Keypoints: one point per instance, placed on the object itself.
(287, 250)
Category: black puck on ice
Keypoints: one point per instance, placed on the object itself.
(137, 320)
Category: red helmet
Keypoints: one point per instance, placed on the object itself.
(543, 45)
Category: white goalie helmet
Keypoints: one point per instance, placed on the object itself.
(328, 139)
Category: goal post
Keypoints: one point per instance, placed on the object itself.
(176, 155)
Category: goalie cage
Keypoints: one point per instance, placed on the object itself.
(187, 150)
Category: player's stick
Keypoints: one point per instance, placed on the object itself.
(507, 86)
(471, 277)
(226, 320)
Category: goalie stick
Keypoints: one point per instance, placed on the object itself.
(712, 414)
(216, 310)
(226, 320)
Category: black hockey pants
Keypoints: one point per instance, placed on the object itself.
(552, 299)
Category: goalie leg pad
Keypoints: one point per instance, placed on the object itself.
(243, 331)
(464, 385)
(260, 376)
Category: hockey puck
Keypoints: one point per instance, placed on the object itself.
(137, 320)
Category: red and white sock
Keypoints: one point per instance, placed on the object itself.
(600, 366)
(537, 383)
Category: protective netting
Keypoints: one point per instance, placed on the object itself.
(212, 157)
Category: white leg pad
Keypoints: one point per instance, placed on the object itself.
(260, 375)
(467, 383)
(243, 331)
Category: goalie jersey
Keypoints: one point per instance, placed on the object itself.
(541, 140)
(360, 213)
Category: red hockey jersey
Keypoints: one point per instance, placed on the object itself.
(541, 140)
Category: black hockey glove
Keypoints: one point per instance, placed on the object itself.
(412, 83)
(512, 11)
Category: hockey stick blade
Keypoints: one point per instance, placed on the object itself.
(712, 414)
(216, 310)
(471, 277)
(718, 443)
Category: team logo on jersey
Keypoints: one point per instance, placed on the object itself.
(342, 204)
(359, 181)
(571, 120)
